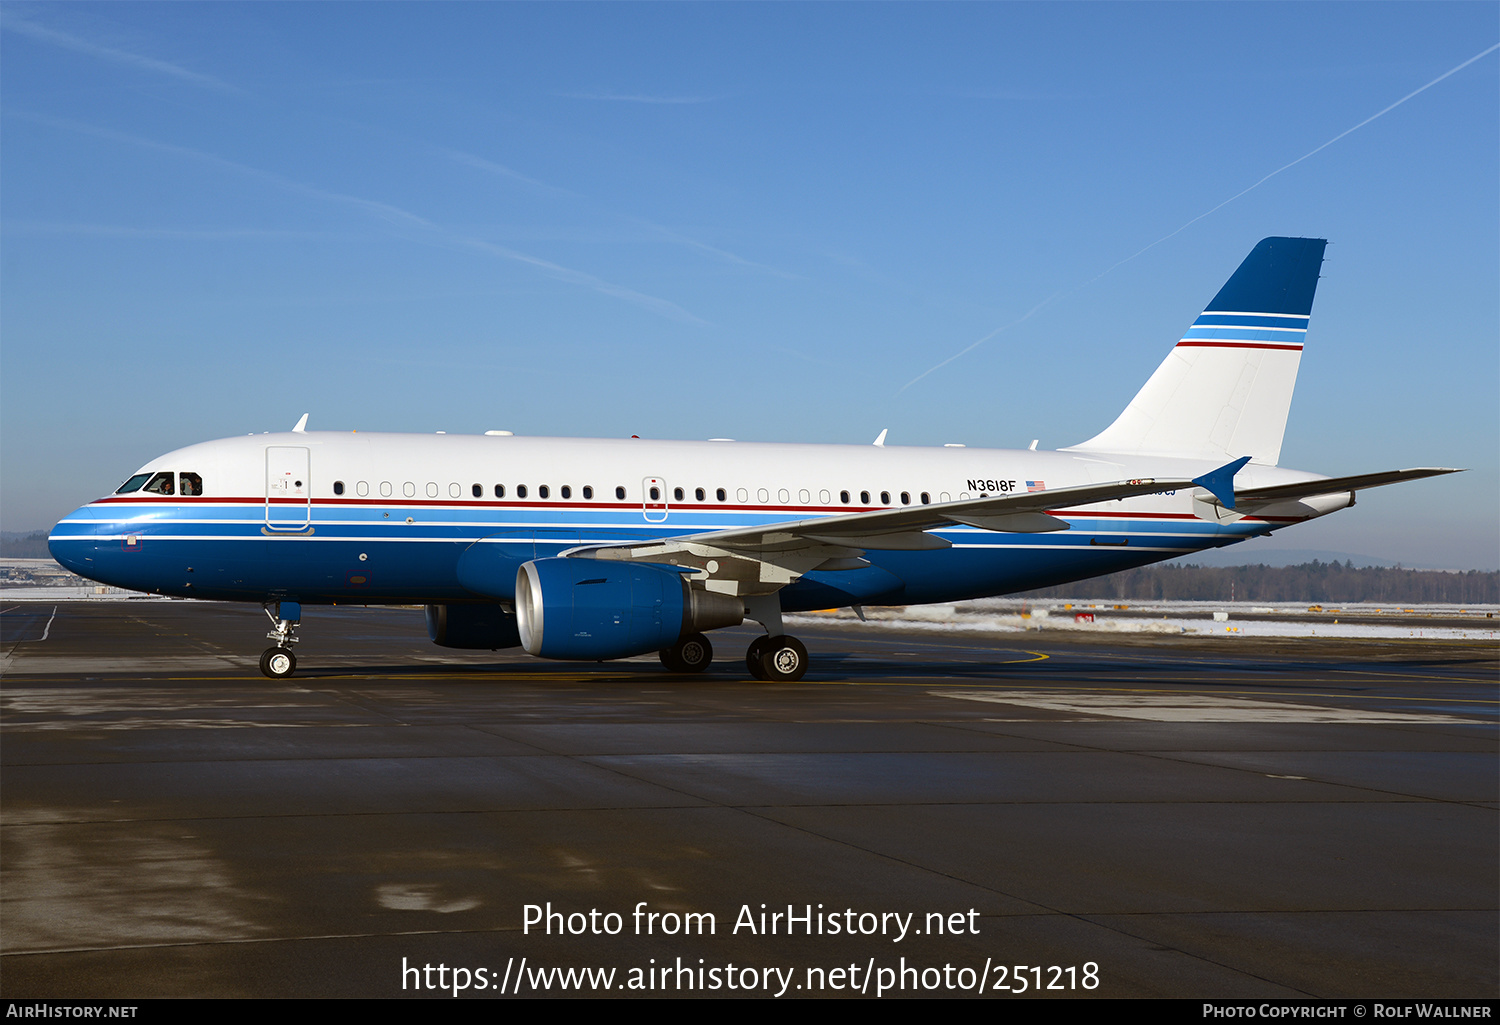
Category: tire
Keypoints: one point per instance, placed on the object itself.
(784, 660)
(278, 663)
(753, 657)
(692, 654)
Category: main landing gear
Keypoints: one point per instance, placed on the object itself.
(691, 654)
(772, 659)
(278, 662)
(776, 659)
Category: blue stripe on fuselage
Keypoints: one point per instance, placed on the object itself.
(225, 551)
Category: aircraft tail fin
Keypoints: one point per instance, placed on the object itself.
(1225, 389)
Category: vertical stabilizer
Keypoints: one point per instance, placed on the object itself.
(1224, 390)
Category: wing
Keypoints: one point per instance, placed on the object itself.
(766, 557)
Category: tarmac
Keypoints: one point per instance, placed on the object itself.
(1041, 814)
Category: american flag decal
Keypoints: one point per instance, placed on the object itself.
(1036, 485)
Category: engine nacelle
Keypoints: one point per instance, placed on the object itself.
(601, 609)
(472, 626)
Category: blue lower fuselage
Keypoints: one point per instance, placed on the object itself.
(375, 553)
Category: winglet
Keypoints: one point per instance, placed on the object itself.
(301, 427)
(880, 441)
(1220, 482)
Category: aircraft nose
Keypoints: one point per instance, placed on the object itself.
(72, 544)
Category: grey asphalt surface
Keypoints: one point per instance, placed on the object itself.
(1209, 818)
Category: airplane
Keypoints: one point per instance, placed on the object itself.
(602, 549)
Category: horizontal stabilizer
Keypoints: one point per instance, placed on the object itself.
(1334, 485)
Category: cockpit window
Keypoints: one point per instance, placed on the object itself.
(191, 484)
(133, 484)
(161, 484)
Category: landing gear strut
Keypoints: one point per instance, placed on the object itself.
(278, 663)
(691, 654)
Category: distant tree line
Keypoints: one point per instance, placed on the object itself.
(1313, 582)
(32, 546)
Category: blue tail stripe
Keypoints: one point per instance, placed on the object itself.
(1279, 276)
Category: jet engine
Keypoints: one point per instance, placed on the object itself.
(600, 609)
(472, 626)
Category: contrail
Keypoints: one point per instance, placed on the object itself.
(1309, 153)
(1035, 309)
(1026, 316)
(403, 223)
(48, 35)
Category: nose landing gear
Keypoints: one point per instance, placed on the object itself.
(278, 662)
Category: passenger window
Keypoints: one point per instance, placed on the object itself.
(698, 494)
(432, 490)
(362, 489)
(742, 495)
(499, 490)
(906, 498)
(409, 489)
(677, 494)
(885, 498)
(844, 497)
(864, 498)
(191, 484)
(477, 491)
(338, 487)
(385, 489)
(567, 491)
(520, 490)
(455, 490)
(656, 494)
(720, 494)
(544, 492)
(620, 493)
(925, 499)
(133, 484)
(161, 484)
(588, 491)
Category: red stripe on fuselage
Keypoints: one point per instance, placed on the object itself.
(1239, 345)
(633, 507)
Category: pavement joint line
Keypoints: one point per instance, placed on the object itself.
(782, 689)
(778, 688)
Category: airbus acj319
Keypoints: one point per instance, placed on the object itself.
(604, 549)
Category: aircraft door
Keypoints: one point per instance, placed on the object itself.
(288, 487)
(654, 500)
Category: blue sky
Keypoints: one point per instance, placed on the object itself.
(756, 221)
